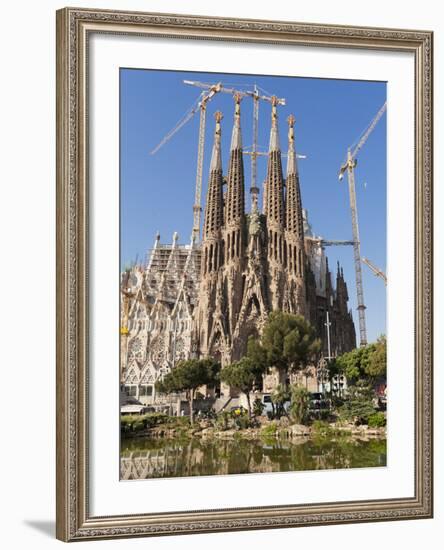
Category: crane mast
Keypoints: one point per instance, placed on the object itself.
(256, 96)
(197, 209)
(213, 89)
(254, 190)
(349, 167)
(351, 163)
(210, 90)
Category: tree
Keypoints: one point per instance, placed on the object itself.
(187, 376)
(300, 402)
(368, 362)
(279, 397)
(376, 369)
(288, 342)
(257, 354)
(359, 404)
(244, 375)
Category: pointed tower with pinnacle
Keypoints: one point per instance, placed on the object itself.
(294, 253)
(207, 315)
(234, 230)
(275, 213)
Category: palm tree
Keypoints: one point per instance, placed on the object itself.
(279, 397)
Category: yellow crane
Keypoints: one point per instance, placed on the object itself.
(210, 90)
(349, 167)
(200, 105)
(378, 272)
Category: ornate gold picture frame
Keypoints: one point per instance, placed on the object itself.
(74, 210)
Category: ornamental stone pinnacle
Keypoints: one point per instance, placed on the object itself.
(293, 206)
(216, 161)
(235, 200)
(274, 134)
(236, 138)
(214, 205)
(291, 158)
(274, 183)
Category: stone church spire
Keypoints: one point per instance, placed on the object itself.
(293, 218)
(274, 183)
(275, 215)
(214, 206)
(235, 195)
(235, 201)
(213, 220)
(294, 252)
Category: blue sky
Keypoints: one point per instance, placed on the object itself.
(157, 191)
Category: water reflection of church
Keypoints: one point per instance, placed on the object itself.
(206, 299)
(157, 458)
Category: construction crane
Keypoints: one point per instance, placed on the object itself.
(204, 98)
(256, 96)
(210, 91)
(378, 272)
(325, 242)
(349, 167)
(254, 189)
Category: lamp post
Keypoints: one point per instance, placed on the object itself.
(322, 374)
(328, 325)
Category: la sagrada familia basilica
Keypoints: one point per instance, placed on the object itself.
(207, 298)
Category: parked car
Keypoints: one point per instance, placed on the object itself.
(136, 409)
(269, 407)
(318, 402)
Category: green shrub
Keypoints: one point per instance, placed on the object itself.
(377, 420)
(322, 428)
(126, 423)
(137, 423)
(258, 407)
(222, 420)
(179, 421)
(243, 421)
(280, 395)
(270, 430)
(154, 419)
(358, 406)
(300, 402)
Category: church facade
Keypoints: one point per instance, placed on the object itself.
(207, 299)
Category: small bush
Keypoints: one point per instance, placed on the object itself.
(137, 423)
(300, 402)
(377, 420)
(258, 407)
(358, 407)
(179, 421)
(321, 428)
(126, 423)
(223, 420)
(270, 430)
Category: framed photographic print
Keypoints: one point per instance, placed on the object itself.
(244, 274)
